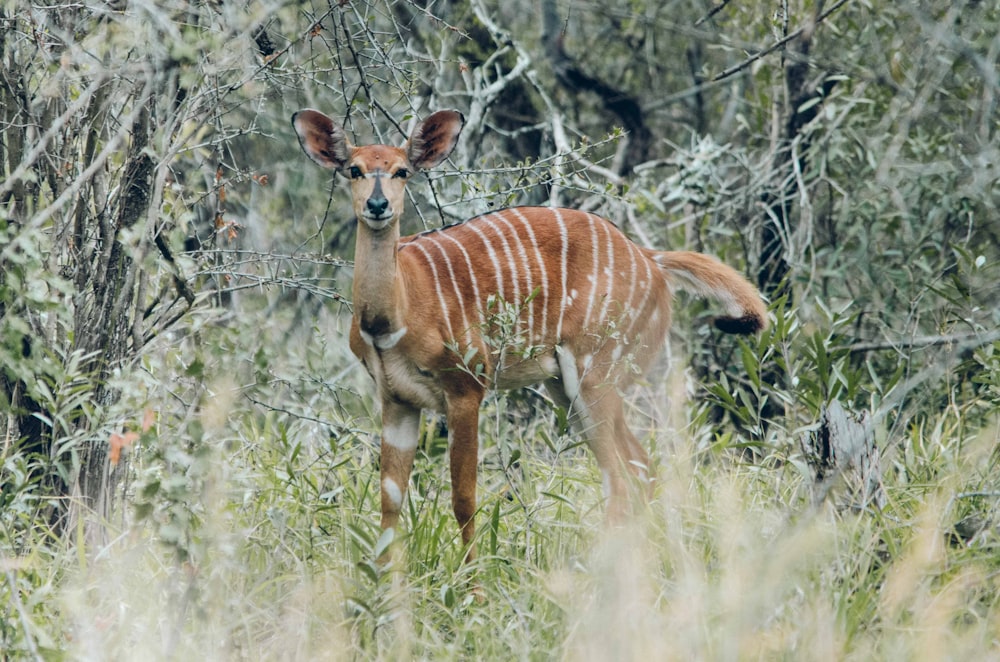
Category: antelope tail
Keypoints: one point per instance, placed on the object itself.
(705, 276)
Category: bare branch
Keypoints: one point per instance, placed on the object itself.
(736, 68)
(623, 105)
(958, 341)
(712, 12)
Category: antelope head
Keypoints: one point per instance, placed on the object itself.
(378, 173)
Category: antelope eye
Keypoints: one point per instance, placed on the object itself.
(355, 172)
(402, 173)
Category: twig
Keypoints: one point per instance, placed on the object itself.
(712, 12)
(112, 147)
(56, 125)
(736, 68)
(342, 430)
(179, 282)
(963, 340)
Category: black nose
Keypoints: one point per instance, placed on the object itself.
(377, 206)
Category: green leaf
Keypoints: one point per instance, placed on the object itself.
(384, 541)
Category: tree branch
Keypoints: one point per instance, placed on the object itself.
(736, 68)
(961, 340)
(712, 12)
(623, 105)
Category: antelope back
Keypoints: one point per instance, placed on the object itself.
(538, 278)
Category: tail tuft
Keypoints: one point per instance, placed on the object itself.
(743, 326)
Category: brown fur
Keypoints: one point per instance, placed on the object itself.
(583, 310)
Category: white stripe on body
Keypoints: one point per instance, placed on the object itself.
(633, 313)
(523, 254)
(437, 286)
(509, 255)
(593, 274)
(472, 277)
(454, 283)
(609, 270)
(564, 235)
(647, 287)
(632, 277)
(493, 258)
(543, 335)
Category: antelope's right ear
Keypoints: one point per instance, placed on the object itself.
(322, 139)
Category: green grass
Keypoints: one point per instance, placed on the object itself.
(728, 562)
(257, 530)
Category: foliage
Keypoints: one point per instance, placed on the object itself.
(189, 459)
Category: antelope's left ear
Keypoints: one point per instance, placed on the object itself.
(434, 139)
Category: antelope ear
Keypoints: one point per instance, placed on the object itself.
(434, 139)
(322, 139)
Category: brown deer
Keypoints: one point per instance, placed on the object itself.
(578, 305)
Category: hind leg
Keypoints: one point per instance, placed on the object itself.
(596, 410)
(638, 461)
(619, 453)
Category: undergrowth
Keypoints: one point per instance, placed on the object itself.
(250, 531)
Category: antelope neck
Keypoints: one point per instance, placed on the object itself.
(379, 290)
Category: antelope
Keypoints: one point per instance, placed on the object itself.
(580, 307)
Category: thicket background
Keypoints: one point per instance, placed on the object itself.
(188, 462)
